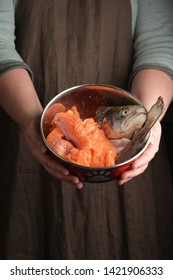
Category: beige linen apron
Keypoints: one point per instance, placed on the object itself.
(68, 43)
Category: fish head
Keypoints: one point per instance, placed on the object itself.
(121, 121)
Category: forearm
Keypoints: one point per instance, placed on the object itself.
(18, 97)
(149, 84)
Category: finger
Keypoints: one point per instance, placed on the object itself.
(48, 162)
(61, 173)
(128, 175)
(68, 178)
(61, 176)
(146, 157)
(78, 185)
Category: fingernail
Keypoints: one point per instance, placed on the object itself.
(66, 172)
(120, 183)
(79, 186)
(76, 180)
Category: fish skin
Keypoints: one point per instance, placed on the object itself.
(140, 137)
(121, 121)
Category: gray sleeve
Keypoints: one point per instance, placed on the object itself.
(153, 36)
(9, 58)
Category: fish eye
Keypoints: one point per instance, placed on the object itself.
(124, 113)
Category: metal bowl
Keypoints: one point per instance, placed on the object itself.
(87, 98)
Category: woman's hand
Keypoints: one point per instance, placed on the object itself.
(40, 152)
(148, 85)
(142, 162)
(17, 89)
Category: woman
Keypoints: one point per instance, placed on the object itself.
(60, 44)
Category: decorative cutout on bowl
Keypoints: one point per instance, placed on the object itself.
(98, 176)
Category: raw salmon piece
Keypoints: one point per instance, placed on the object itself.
(103, 151)
(49, 115)
(71, 126)
(88, 144)
(58, 144)
(81, 157)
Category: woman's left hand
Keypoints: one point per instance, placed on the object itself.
(139, 166)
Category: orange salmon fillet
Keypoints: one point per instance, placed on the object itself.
(57, 143)
(80, 141)
(50, 113)
(71, 126)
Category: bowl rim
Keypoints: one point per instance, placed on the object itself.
(52, 101)
(136, 99)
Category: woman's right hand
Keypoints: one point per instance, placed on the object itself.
(39, 150)
(17, 88)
